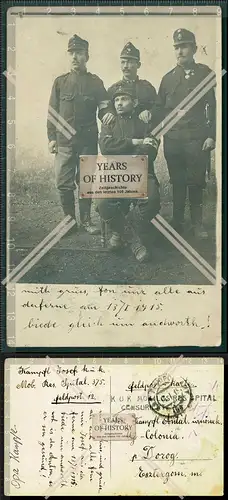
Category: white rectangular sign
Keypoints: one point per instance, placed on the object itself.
(113, 176)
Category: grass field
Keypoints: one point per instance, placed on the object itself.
(79, 258)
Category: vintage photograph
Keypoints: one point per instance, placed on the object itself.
(116, 86)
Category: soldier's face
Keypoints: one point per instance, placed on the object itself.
(78, 60)
(129, 67)
(123, 104)
(184, 53)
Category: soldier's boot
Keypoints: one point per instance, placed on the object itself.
(86, 224)
(68, 206)
(117, 225)
(139, 241)
(179, 199)
(139, 250)
(196, 210)
(116, 241)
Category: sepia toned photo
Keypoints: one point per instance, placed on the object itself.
(138, 98)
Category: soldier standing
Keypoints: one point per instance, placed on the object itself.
(72, 127)
(128, 135)
(187, 145)
(144, 92)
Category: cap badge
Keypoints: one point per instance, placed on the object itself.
(179, 36)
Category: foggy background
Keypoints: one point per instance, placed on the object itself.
(41, 56)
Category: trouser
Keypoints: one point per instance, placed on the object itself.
(187, 164)
(67, 177)
(114, 212)
(195, 200)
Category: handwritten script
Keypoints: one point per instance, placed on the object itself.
(79, 315)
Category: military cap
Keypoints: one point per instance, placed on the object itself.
(181, 36)
(130, 52)
(77, 43)
(124, 89)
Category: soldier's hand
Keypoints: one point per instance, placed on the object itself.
(52, 146)
(148, 141)
(208, 145)
(137, 142)
(145, 116)
(108, 118)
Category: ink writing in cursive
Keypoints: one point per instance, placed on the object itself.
(14, 455)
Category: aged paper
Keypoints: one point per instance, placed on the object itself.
(114, 427)
(66, 289)
(57, 315)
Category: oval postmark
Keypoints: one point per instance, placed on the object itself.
(168, 396)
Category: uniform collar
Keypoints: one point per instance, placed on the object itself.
(130, 116)
(191, 67)
(79, 73)
(125, 117)
(130, 81)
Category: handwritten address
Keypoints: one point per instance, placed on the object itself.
(87, 427)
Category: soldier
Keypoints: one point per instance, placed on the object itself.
(72, 127)
(187, 145)
(144, 92)
(128, 135)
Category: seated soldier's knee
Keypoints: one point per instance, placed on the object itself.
(151, 206)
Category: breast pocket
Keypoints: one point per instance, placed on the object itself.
(67, 105)
(66, 97)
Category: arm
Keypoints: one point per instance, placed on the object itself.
(149, 100)
(160, 103)
(112, 145)
(149, 147)
(53, 105)
(210, 114)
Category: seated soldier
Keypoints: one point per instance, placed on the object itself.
(128, 135)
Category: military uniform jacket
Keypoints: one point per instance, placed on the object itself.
(199, 121)
(116, 139)
(75, 99)
(144, 92)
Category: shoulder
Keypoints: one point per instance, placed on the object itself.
(61, 78)
(145, 83)
(203, 68)
(95, 79)
(170, 79)
(171, 74)
(112, 126)
(114, 85)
